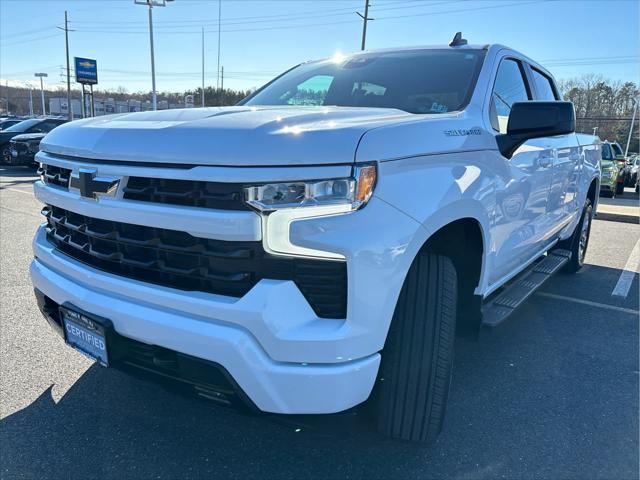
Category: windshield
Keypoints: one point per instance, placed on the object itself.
(22, 126)
(423, 81)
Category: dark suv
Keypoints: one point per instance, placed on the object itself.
(33, 125)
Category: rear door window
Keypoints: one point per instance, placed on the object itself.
(544, 86)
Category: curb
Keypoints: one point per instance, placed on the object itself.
(617, 217)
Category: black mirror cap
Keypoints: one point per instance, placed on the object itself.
(529, 120)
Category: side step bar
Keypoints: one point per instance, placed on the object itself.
(497, 309)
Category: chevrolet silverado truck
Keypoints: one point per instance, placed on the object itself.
(320, 244)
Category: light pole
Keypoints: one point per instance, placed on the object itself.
(30, 101)
(633, 120)
(151, 4)
(41, 75)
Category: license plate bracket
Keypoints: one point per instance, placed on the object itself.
(86, 333)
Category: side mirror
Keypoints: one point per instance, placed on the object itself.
(528, 120)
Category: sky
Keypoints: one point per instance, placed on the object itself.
(261, 38)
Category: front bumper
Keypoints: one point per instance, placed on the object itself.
(193, 324)
(279, 352)
(19, 157)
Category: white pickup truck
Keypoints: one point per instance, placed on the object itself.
(321, 242)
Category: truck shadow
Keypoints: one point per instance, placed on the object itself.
(537, 398)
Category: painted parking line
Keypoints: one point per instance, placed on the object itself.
(589, 303)
(27, 192)
(628, 273)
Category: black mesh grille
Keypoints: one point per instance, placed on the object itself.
(192, 193)
(20, 147)
(179, 260)
(55, 175)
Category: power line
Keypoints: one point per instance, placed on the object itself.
(282, 27)
(176, 28)
(29, 32)
(284, 16)
(22, 42)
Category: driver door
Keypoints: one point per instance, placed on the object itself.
(521, 218)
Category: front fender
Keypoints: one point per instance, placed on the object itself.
(438, 190)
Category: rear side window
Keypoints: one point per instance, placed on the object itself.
(617, 149)
(544, 86)
(510, 87)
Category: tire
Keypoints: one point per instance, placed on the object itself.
(620, 188)
(415, 375)
(578, 242)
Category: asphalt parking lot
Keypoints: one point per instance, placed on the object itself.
(553, 394)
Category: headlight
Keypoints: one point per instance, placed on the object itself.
(287, 202)
(354, 192)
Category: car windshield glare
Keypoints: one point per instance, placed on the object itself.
(22, 126)
(416, 81)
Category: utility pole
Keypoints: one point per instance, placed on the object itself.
(633, 120)
(222, 86)
(41, 75)
(219, 27)
(154, 100)
(30, 101)
(365, 19)
(202, 67)
(66, 41)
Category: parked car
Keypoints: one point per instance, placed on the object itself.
(321, 242)
(7, 122)
(33, 125)
(634, 164)
(613, 151)
(23, 148)
(609, 184)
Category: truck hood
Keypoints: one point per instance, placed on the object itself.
(226, 136)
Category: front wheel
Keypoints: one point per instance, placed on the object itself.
(414, 378)
(620, 188)
(579, 241)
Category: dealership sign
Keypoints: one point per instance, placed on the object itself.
(86, 71)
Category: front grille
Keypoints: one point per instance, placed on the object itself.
(20, 147)
(192, 193)
(179, 260)
(55, 175)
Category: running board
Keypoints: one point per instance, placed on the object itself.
(496, 310)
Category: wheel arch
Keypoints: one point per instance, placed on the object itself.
(463, 241)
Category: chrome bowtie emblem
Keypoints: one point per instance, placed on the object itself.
(91, 186)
